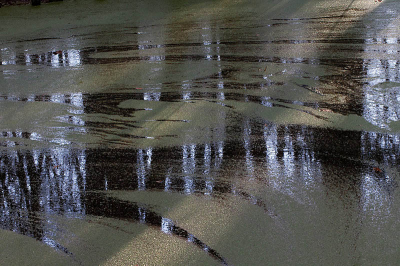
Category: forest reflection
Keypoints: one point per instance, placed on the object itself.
(37, 184)
(288, 158)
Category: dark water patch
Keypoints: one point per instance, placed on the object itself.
(40, 39)
(168, 120)
(223, 73)
(221, 103)
(224, 58)
(308, 22)
(311, 18)
(74, 58)
(129, 136)
(15, 134)
(125, 48)
(356, 9)
(303, 111)
(256, 201)
(86, 52)
(100, 205)
(58, 58)
(344, 48)
(114, 125)
(109, 103)
(309, 88)
(166, 136)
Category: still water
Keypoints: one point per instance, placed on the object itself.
(220, 132)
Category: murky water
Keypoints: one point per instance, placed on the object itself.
(220, 132)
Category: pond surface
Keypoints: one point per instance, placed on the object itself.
(200, 133)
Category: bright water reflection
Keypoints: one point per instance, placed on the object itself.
(67, 58)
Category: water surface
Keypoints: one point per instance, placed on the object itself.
(219, 132)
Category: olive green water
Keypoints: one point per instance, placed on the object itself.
(200, 133)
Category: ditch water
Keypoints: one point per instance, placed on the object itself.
(200, 133)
